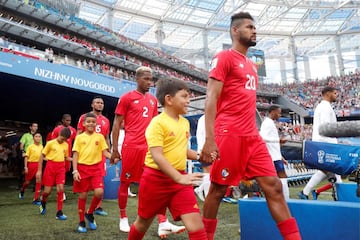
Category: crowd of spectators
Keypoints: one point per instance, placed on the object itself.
(308, 94)
(99, 52)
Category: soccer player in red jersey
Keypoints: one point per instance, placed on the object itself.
(89, 149)
(136, 108)
(102, 127)
(231, 131)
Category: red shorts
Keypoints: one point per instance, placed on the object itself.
(241, 158)
(54, 173)
(157, 192)
(132, 164)
(32, 169)
(91, 178)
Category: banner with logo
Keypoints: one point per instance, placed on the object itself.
(337, 158)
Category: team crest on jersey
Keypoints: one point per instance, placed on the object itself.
(103, 122)
(96, 143)
(136, 101)
(225, 173)
(213, 63)
(152, 102)
(241, 65)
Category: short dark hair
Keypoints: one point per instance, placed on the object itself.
(240, 16)
(169, 86)
(65, 132)
(89, 114)
(96, 97)
(273, 107)
(327, 89)
(66, 115)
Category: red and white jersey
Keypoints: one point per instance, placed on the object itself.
(137, 109)
(236, 106)
(102, 125)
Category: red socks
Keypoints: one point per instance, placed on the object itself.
(81, 208)
(289, 229)
(161, 218)
(122, 198)
(94, 202)
(198, 235)
(60, 200)
(210, 227)
(134, 234)
(37, 191)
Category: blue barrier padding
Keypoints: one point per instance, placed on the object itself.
(112, 180)
(317, 220)
(347, 192)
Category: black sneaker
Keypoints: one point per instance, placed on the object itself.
(81, 227)
(91, 221)
(60, 215)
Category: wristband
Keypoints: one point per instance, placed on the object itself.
(75, 171)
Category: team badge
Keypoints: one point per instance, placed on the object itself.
(152, 102)
(241, 65)
(96, 143)
(225, 173)
(136, 101)
(127, 175)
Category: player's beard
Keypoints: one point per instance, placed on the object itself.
(247, 41)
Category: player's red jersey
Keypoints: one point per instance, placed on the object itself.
(102, 125)
(55, 133)
(237, 102)
(138, 109)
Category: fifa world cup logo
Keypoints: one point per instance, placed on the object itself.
(321, 155)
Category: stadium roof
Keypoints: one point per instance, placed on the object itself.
(181, 24)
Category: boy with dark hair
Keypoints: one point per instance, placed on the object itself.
(56, 152)
(89, 148)
(31, 161)
(164, 182)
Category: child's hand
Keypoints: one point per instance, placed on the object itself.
(76, 176)
(191, 179)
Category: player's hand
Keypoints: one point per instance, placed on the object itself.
(38, 176)
(210, 152)
(115, 157)
(191, 179)
(23, 154)
(76, 176)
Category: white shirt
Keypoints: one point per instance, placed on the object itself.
(200, 133)
(269, 133)
(324, 113)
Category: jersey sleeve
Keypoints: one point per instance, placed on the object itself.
(80, 126)
(220, 67)
(121, 107)
(154, 134)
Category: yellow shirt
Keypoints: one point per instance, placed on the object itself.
(33, 152)
(164, 131)
(90, 148)
(55, 151)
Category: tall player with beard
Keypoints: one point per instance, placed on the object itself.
(103, 127)
(231, 131)
(136, 108)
